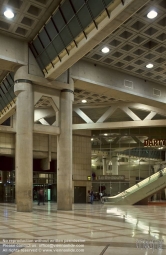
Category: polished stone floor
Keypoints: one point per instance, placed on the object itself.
(87, 229)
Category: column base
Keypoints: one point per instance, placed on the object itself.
(63, 207)
(24, 207)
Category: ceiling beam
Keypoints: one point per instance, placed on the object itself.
(44, 122)
(136, 140)
(150, 115)
(111, 83)
(109, 146)
(131, 114)
(83, 115)
(107, 114)
(121, 125)
(138, 106)
(13, 53)
(44, 129)
(43, 113)
(6, 129)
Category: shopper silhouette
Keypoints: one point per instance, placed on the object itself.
(91, 197)
(41, 196)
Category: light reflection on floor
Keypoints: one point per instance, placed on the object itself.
(87, 229)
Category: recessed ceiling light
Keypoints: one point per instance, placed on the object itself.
(105, 50)
(9, 14)
(150, 65)
(92, 139)
(152, 14)
(84, 101)
(105, 134)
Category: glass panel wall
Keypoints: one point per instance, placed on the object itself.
(132, 154)
(45, 180)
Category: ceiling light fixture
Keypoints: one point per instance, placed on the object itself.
(150, 65)
(84, 101)
(105, 50)
(105, 134)
(152, 14)
(9, 14)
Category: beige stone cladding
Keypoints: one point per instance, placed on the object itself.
(81, 158)
(7, 143)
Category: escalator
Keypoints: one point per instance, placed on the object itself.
(139, 191)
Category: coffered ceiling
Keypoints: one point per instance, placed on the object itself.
(30, 16)
(136, 43)
(133, 45)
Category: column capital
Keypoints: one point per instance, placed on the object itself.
(22, 85)
(23, 81)
(67, 90)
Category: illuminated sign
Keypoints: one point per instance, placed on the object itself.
(111, 177)
(155, 143)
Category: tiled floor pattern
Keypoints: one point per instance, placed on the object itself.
(87, 229)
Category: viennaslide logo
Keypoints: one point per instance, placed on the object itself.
(150, 244)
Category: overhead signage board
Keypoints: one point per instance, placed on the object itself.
(111, 177)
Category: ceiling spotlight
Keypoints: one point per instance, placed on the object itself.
(92, 139)
(152, 14)
(149, 65)
(84, 101)
(9, 14)
(105, 50)
(105, 134)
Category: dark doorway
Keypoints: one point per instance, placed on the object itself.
(79, 194)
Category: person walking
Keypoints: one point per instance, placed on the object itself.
(91, 196)
(41, 196)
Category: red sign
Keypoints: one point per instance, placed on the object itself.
(155, 143)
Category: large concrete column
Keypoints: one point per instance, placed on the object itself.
(64, 152)
(115, 164)
(24, 145)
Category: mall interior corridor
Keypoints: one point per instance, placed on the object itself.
(88, 229)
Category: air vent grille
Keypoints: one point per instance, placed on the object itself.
(156, 92)
(128, 84)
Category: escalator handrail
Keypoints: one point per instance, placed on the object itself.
(137, 186)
